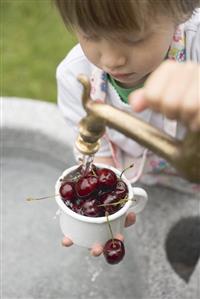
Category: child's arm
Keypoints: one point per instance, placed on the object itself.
(174, 90)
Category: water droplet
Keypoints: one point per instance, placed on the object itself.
(58, 212)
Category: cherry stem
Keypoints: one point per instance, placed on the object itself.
(110, 229)
(39, 198)
(94, 173)
(125, 169)
(123, 200)
(75, 178)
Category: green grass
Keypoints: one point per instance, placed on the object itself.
(33, 41)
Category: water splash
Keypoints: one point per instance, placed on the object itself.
(94, 270)
(95, 275)
(58, 212)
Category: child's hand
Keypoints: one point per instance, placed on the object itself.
(174, 90)
(97, 249)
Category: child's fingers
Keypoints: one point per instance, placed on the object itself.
(67, 242)
(190, 112)
(137, 100)
(130, 219)
(173, 90)
(152, 94)
(96, 250)
(155, 85)
(173, 97)
(119, 237)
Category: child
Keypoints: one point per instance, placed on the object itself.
(141, 51)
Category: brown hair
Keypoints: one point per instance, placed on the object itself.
(109, 16)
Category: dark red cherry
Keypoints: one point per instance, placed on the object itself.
(67, 191)
(107, 178)
(107, 200)
(90, 207)
(87, 185)
(121, 189)
(76, 208)
(114, 251)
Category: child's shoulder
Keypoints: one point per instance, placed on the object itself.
(194, 22)
(192, 34)
(74, 63)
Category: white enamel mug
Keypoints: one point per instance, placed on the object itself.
(86, 231)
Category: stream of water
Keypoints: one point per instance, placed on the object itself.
(87, 163)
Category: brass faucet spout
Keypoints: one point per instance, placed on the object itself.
(136, 129)
(183, 155)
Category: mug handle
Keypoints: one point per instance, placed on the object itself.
(139, 200)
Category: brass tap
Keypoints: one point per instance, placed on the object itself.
(183, 155)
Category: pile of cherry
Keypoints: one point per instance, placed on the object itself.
(96, 193)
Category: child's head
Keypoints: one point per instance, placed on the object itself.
(105, 16)
(126, 38)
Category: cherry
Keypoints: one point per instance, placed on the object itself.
(86, 185)
(108, 199)
(121, 189)
(76, 208)
(90, 207)
(100, 188)
(114, 251)
(67, 191)
(107, 178)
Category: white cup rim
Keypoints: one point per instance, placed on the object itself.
(97, 220)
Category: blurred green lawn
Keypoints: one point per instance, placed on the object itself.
(33, 41)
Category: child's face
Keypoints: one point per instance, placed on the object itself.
(130, 58)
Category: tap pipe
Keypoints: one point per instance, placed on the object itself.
(134, 128)
(184, 155)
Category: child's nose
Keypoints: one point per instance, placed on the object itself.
(112, 59)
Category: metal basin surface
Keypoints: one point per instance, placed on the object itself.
(37, 147)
